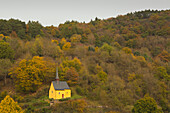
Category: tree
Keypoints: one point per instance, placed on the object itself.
(71, 76)
(34, 28)
(164, 56)
(67, 65)
(5, 65)
(161, 73)
(51, 49)
(37, 48)
(75, 38)
(71, 106)
(62, 42)
(18, 26)
(127, 50)
(6, 52)
(5, 28)
(8, 105)
(66, 46)
(73, 63)
(100, 73)
(13, 34)
(145, 105)
(29, 74)
(107, 48)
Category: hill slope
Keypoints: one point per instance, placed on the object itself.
(112, 62)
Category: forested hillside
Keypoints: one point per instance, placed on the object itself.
(116, 63)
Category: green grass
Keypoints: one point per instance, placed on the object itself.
(41, 102)
(75, 96)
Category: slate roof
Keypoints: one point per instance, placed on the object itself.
(61, 85)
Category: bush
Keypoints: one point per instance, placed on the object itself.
(79, 90)
(71, 106)
(43, 92)
(3, 95)
(17, 98)
(145, 105)
(43, 110)
(30, 109)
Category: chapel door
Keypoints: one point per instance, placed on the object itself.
(62, 95)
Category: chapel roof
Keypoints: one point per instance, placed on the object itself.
(60, 85)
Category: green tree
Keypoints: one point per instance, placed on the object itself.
(34, 28)
(145, 105)
(8, 105)
(5, 28)
(75, 38)
(37, 48)
(18, 26)
(6, 52)
(161, 73)
(73, 63)
(100, 73)
(67, 65)
(5, 65)
(107, 48)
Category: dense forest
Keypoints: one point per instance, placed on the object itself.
(114, 65)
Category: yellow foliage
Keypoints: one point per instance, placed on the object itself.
(67, 65)
(76, 38)
(8, 105)
(96, 49)
(59, 51)
(131, 77)
(100, 73)
(141, 58)
(98, 69)
(80, 105)
(7, 37)
(116, 44)
(165, 56)
(1, 36)
(55, 41)
(72, 63)
(29, 74)
(66, 46)
(127, 50)
(63, 41)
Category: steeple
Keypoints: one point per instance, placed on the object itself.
(57, 78)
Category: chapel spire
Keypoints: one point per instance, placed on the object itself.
(57, 78)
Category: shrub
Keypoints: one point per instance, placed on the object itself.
(64, 99)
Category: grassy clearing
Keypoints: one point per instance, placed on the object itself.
(75, 96)
(35, 103)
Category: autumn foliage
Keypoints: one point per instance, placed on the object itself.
(8, 105)
(111, 63)
(29, 74)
